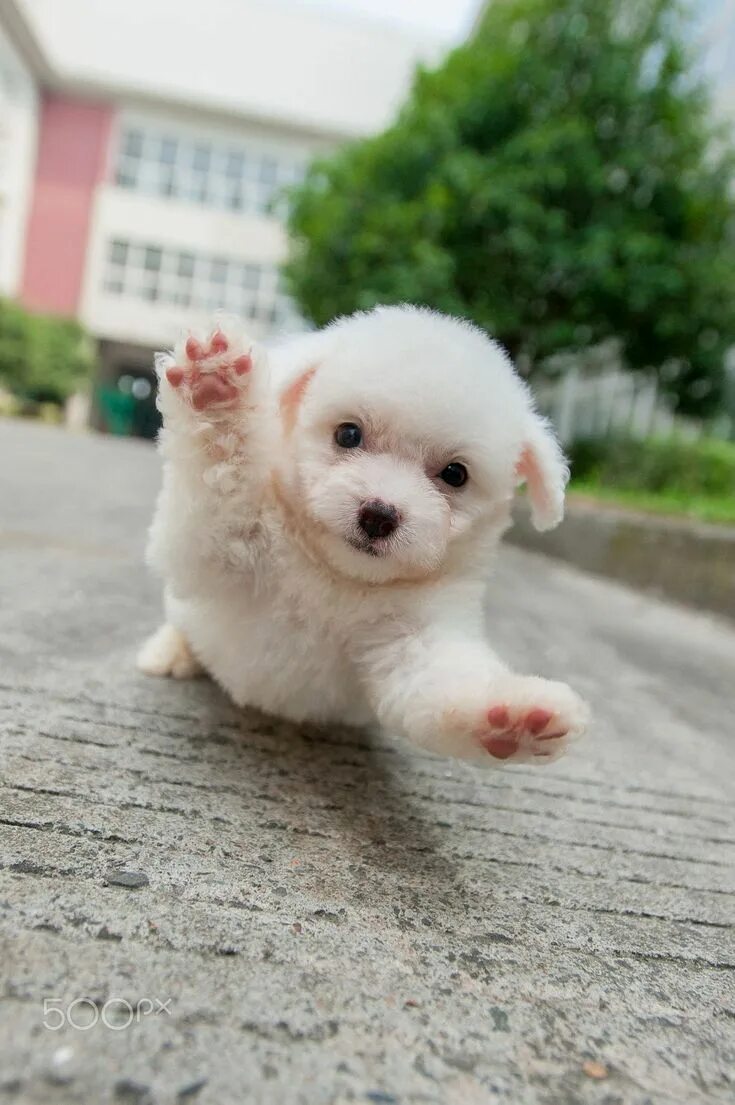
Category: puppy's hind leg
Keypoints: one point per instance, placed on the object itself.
(167, 652)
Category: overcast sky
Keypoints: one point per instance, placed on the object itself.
(446, 18)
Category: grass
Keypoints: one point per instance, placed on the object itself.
(677, 504)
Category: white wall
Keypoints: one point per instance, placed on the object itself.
(18, 136)
(303, 65)
(126, 215)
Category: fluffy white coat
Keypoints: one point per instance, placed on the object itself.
(273, 584)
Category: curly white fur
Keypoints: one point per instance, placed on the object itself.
(268, 575)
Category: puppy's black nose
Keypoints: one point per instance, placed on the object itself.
(377, 519)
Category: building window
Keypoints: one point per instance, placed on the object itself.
(198, 281)
(235, 178)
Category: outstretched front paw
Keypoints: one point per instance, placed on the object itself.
(212, 374)
(531, 720)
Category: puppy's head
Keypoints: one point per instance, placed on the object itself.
(406, 435)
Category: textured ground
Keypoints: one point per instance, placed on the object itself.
(328, 918)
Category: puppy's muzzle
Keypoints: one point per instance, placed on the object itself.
(378, 519)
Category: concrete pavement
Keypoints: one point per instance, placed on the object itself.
(253, 913)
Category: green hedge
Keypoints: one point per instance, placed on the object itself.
(657, 465)
(42, 359)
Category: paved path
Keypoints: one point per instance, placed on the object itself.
(330, 919)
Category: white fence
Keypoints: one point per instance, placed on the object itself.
(597, 401)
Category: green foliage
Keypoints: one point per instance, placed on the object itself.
(657, 465)
(704, 508)
(558, 180)
(43, 359)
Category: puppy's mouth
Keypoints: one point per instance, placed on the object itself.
(377, 546)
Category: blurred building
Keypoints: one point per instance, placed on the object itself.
(144, 147)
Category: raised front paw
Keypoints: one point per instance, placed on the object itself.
(530, 720)
(210, 375)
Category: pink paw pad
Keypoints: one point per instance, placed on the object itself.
(242, 364)
(218, 343)
(537, 720)
(498, 717)
(175, 376)
(500, 748)
(210, 378)
(210, 389)
(194, 349)
(509, 733)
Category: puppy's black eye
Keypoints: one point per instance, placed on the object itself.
(348, 435)
(455, 474)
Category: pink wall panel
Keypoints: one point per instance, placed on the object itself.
(72, 159)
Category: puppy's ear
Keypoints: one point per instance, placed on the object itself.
(291, 398)
(542, 466)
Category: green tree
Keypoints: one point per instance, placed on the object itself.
(42, 358)
(559, 180)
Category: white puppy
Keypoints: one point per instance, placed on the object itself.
(326, 524)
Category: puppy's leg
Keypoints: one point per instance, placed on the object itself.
(167, 652)
(211, 396)
(455, 697)
(217, 441)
